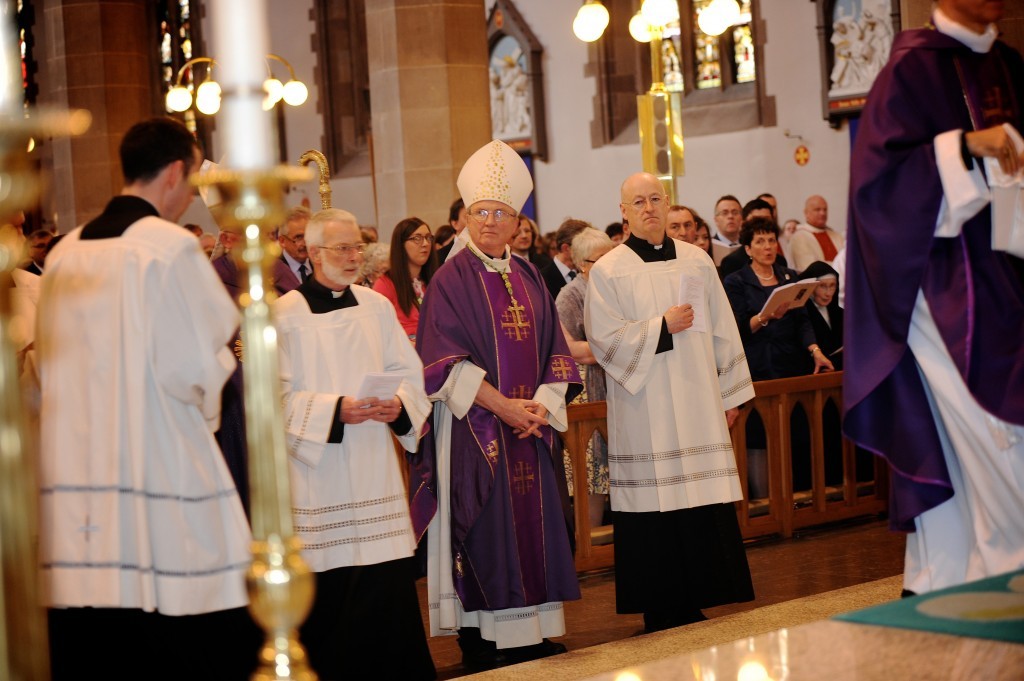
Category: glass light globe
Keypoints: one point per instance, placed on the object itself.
(208, 97)
(590, 21)
(178, 99)
(660, 12)
(718, 16)
(640, 29)
(274, 89)
(295, 92)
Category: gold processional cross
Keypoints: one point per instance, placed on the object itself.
(513, 323)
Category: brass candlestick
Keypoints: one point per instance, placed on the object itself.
(317, 157)
(279, 581)
(24, 646)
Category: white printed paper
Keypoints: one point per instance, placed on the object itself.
(381, 386)
(691, 291)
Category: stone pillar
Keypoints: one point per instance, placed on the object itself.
(97, 55)
(430, 103)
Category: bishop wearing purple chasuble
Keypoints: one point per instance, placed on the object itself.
(490, 480)
(934, 377)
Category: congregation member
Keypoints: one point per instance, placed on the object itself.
(617, 232)
(489, 478)
(823, 311)
(348, 496)
(738, 258)
(702, 234)
(780, 344)
(375, 263)
(143, 539)
(681, 224)
(444, 236)
(457, 221)
(674, 389)
(412, 264)
(562, 269)
(525, 243)
(292, 237)
(728, 220)
(773, 203)
(37, 245)
(814, 239)
(587, 248)
(934, 313)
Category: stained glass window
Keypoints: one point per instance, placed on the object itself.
(743, 54)
(706, 58)
(26, 19)
(175, 47)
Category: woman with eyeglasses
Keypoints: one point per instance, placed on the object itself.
(413, 262)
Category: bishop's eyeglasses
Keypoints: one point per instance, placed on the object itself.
(481, 215)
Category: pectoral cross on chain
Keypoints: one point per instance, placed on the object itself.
(513, 323)
(523, 477)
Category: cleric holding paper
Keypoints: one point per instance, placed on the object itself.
(348, 496)
(677, 376)
(934, 378)
(143, 541)
(499, 372)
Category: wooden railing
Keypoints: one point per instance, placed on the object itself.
(784, 510)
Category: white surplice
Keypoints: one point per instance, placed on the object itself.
(348, 498)
(669, 446)
(138, 509)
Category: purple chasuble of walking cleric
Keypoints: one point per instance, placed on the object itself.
(933, 84)
(510, 526)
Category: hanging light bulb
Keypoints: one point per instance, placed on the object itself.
(590, 21)
(718, 16)
(275, 90)
(295, 92)
(178, 99)
(660, 12)
(639, 28)
(208, 97)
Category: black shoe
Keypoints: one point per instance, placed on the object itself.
(546, 648)
(660, 621)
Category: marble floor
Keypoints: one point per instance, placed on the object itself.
(810, 563)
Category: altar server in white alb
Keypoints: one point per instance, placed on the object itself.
(348, 497)
(660, 325)
(143, 540)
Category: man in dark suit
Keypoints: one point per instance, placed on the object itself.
(292, 237)
(561, 270)
(755, 208)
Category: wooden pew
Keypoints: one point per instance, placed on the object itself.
(783, 511)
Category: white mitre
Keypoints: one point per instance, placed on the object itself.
(495, 172)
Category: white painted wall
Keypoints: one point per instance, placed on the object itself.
(582, 182)
(292, 37)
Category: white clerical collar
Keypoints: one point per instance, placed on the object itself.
(496, 264)
(339, 294)
(824, 313)
(978, 43)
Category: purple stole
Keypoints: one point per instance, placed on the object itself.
(509, 534)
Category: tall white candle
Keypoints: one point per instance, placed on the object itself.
(240, 47)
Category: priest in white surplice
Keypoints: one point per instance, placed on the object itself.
(349, 501)
(143, 540)
(676, 373)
